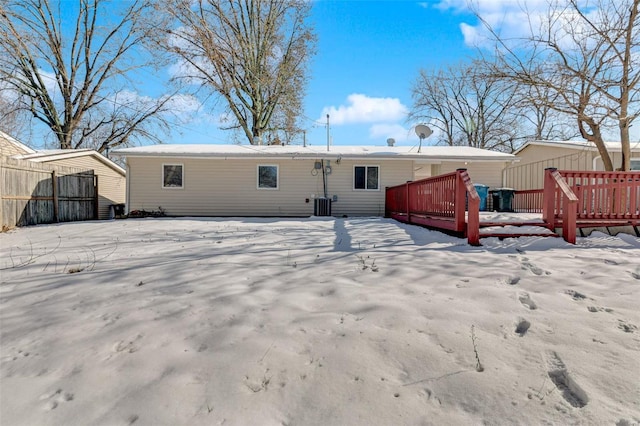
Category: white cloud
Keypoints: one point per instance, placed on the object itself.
(510, 18)
(364, 109)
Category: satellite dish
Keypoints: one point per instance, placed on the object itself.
(423, 131)
(391, 141)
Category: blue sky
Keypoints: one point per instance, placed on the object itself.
(368, 55)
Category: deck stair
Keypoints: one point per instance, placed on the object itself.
(505, 229)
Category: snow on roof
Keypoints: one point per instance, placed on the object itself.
(295, 151)
(58, 154)
(19, 145)
(611, 146)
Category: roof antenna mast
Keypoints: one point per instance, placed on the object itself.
(327, 132)
(423, 131)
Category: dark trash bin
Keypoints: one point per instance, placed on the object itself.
(483, 193)
(118, 210)
(502, 199)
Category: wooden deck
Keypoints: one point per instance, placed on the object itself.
(569, 201)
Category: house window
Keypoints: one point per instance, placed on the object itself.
(366, 178)
(267, 177)
(635, 164)
(172, 176)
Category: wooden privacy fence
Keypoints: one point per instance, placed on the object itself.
(439, 202)
(32, 194)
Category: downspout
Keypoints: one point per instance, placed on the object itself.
(595, 159)
(324, 179)
(127, 189)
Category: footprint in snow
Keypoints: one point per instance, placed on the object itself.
(513, 280)
(627, 327)
(527, 302)
(55, 398)
(570, 390)
(575, 295)
(599, 309)
(533, 268)
(522, 327)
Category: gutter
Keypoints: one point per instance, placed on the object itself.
(359, 157)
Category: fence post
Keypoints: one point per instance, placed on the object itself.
(549, 198)
(54, 185)
(96, 201)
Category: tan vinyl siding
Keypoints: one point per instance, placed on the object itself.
(536, 153)
(485, 173)
(111, 184)
(8, 149)
(228, 187)
(534, 159)
(365, 202)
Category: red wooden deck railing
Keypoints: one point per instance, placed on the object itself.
(569, 199)
(559, 202)
(528, 201)
(437, 202)
(601, 199)
(606, 195)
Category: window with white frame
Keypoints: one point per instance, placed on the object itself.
(173, 176)
(635, 164)
(366, 178)
(268, 176)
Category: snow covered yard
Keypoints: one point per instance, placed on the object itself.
(314, 322)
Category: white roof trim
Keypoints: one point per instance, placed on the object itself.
(17, 143)
(579, 145)
(59, 154)
(442, 153)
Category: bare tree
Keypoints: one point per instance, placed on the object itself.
(12, 121)
(69, 69)
(584, 64)
(469, 107)
(617, 25)
(538, 121)
(253, 54)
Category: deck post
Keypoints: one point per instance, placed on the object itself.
(569, 216)
(548, 198)
(406, 200)
(459, 201)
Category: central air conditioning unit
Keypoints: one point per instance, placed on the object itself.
(322, 206)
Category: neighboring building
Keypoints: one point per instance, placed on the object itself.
(535, 156)
(111, 177)
(249, 180)
(10, 146)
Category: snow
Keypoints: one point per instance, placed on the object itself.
(317, 321)
(459, 153)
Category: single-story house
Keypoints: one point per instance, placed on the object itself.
(261, 180)
(535, 156)
(111, 177)
(10, 146)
